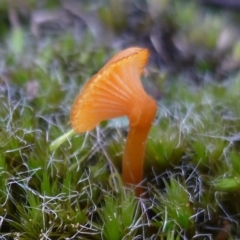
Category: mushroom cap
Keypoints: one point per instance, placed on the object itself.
(115, 91)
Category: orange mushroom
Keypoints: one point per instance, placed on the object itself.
(116, 91)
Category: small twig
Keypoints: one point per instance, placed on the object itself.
(56, 143)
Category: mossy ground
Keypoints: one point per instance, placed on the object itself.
(192, 163)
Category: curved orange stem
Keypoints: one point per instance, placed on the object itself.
(133, 157)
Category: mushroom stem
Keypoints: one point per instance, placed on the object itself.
(56, 143)
(133, 157)
(132, 165)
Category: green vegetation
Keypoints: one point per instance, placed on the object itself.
(192, 162)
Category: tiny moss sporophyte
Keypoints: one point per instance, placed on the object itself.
(116, 91)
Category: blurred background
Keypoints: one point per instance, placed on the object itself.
(191, 38)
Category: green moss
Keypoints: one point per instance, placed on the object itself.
(118, 215)
(174, 207)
